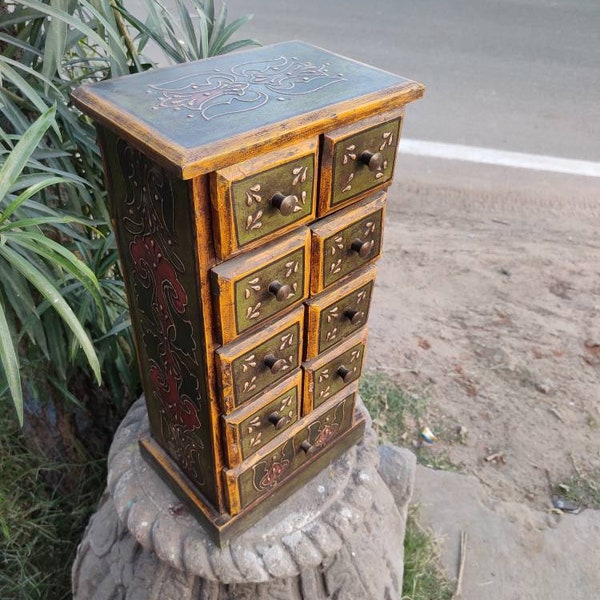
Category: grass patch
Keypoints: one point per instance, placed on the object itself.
(398, 416)
(582, 489)
(39, 528)
(396, 411)
(424, 578)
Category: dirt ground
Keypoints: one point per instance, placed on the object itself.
(488, 303)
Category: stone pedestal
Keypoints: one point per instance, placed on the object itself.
(339, 537)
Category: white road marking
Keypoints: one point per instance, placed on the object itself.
(491, 156)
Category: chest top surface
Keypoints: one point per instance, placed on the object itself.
(198, 116)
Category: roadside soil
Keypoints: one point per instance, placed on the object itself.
(488, 304)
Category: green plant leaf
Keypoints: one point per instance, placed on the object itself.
(25, 88)
(226, 33)
(53, 295)
(19, 157)
(56, 254)
(28, 193)
(54, 47)
(10, 365)
(79, 25)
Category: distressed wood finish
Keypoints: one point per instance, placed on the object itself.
(334, 315)
(249, 289)
(245, 197)
(345, 242)
(278, 460)
(249, 428)
(156, 233)
(250, 365)
(346, 175)
(332, 371)
(247, 194)
(148, 110)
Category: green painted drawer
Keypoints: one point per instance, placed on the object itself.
(333, 316)
(333, 371)
(251, 288)
(260, 199)
(346, 241)
(249, 428)
(250, 365)
(357, 160)
(277, 461)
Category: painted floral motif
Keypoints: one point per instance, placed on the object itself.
(323, 375)
(250, 385)
(243, 88)
(273, 473)
(255, 436)
(252, 195)
(167, 330)
(285, 404)
(332, 313)
(256, 291)
(253, 200)
(350, 155)
(287, 340)
(326, 433)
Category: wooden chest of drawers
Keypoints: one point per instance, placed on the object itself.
(248, 194)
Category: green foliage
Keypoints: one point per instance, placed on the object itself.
(395, 410)
(57, 249)
(31, 261)
(177, 35)
(60, 285)
(398, 416)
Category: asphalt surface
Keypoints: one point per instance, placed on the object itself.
(519, 75)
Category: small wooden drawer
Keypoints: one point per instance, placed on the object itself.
(357, 159)
(250, 365)
(333, 316)
(276, 462)
(251, 427)
(249, 289)
(332, 371)
(346, 241)
(264, 197)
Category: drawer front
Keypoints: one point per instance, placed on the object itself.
(346, 241)
(333, 371)
(264, 197)
(249, 428)
(356, 160)
(250, 365)
(333, 316)
(277, 461)
(249, 289)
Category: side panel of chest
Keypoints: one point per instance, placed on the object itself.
(154, 223)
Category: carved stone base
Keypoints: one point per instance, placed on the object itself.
(340, 536)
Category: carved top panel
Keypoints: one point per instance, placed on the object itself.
(190, 114)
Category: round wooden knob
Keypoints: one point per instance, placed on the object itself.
(284, 204)
(279, 290)
(373, 161)
(278, 421)
(363, 249)
(308, 448)
(275, 364)
(354, 315)
(345, 374)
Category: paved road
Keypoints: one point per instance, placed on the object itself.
(519, 75)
